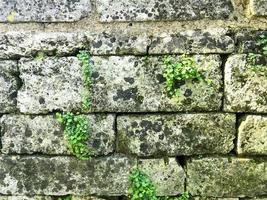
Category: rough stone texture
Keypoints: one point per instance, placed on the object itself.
(8, 85)
(134, 84)
(43, 134)
(258, 7)
(176, 134)
(50, 84)
(252, 135)
(27, 44)
(147, 10)
(168, 177)
(245, 89)
(226, 177)
(64, 175)
(25, 198)
(44, 11)
(118, 43)
(213, 198)
(247, 40)
(212, 40)
(93, 198)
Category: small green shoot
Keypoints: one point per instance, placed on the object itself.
(262, 42)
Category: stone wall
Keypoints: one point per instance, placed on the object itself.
(211, 140)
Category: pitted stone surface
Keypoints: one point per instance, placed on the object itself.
(245, 88)
(65, 175)
(252, 135)
(168, 177)
(93, 198)
(28, 44)
(136, 84)
(226, 177)
(8, 85)
(192, 41)
(150, 10)
(50, 84)
(118, 43)
(23, 134)
(25, 198)
(44, 11)
(258, 7)
(176, 134)
(213, 198)
(247, 41)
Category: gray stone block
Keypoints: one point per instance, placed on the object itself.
(252, 135)
(258, 7)
(147, 10)
(245, 86)
(29, 44)
(213, 40)
(9, 85)
(168, 177)
(176, 134)
(22, 134)
(226, 177)
(44, 11)
(65, 175)
(136, 84)
(50, 84)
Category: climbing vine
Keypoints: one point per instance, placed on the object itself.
(84, 58)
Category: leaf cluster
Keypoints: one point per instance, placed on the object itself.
(68, 197)
(76, 131)
(185, 68)
(84, 58)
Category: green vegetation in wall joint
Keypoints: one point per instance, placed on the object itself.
(142, 188)
(84, 58)
(77, 133)
(259, 69)
(262, 43)
(68, 197)
(175, 71)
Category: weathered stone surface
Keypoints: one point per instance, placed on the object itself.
(147, 10)
(118, 43)
(226, 177)
(134, 84)
(168, 178)
(247, 41)
(8, 85)
(44, 11)
(50, 84)
(258, 7)
(93, 198)
(176, 134)
(192, 41)
(252, 135)
(213, 198)
(27, 44)
(245, 87)
(23, 134)
(25, 198)
(64, 175)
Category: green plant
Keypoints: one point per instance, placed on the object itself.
(262, 42)
(185, 68)
(76, 131)
(68, 197)
(141, 187)
(84, 58)
(253, 66)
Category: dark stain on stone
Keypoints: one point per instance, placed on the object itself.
(41, 100)
(97, 44)
(179, 83)
(95, 75)
(160, 78)
(127, 94)
(129, 80)
(188, 93)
